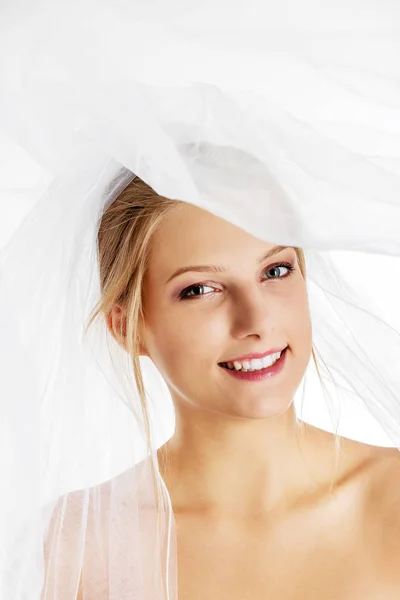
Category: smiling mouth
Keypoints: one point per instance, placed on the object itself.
(253, 365)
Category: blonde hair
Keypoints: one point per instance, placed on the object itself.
(124, 242)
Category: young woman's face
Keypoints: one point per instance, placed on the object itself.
(208, 315)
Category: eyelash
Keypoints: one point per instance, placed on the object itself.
(183, 294)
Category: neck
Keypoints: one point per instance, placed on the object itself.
(217, 464)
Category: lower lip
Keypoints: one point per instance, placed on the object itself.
(262, 373)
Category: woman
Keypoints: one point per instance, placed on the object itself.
(259, 125)
(256, 493)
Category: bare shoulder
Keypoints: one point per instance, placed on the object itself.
(384, 483)
(381, 474)
(375, 474)
(62, 572)
(381, 513)
(76, 544)
(83, 527)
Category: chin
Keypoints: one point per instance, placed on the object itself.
(262, 409)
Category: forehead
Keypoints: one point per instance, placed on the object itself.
(191, 233)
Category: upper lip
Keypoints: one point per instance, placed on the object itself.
(255, 355)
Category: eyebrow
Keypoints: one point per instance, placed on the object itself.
(216, 269)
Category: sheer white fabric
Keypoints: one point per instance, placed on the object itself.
(283, 119)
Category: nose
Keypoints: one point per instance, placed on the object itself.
(252, 315)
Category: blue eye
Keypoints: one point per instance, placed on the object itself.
(279, 266)
(197, 290)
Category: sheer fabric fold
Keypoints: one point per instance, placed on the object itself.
(282, 119)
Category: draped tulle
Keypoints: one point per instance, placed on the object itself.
(282, 118)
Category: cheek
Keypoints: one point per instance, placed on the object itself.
(183, 338)
(299, 323)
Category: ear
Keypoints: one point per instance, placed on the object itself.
(116, 324)
(116, 321)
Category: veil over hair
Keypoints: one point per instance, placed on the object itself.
(282, 119)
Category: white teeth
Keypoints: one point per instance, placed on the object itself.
(255, 364)
(266, 362)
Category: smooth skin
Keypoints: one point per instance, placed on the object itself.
(251, 487)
